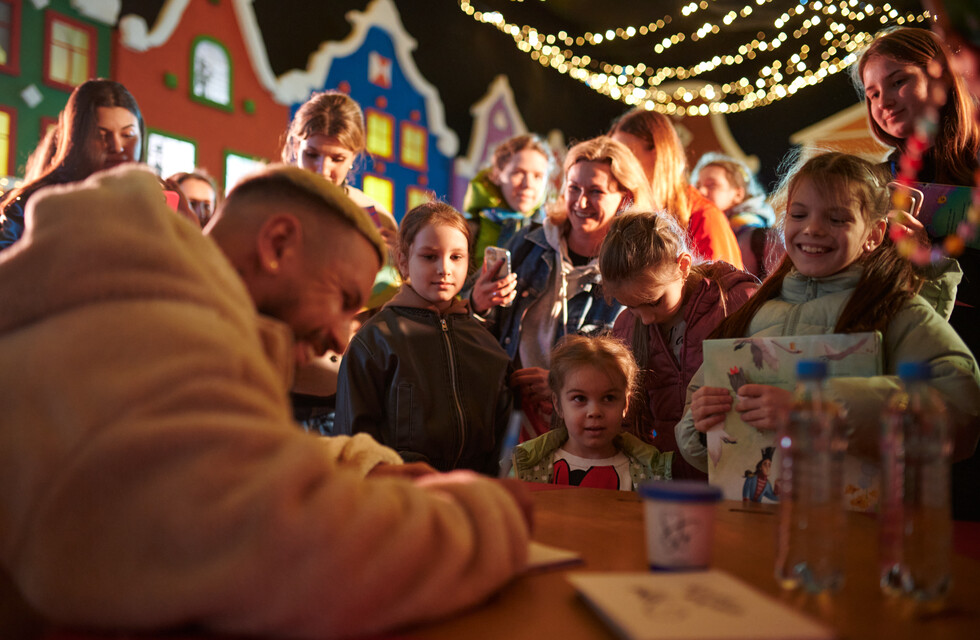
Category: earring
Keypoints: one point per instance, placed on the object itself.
(273, 265)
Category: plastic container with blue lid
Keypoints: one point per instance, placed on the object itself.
(679, 491)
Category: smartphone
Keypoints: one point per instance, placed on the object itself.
(492, 255)
(173, 199)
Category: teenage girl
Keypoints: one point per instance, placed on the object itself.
(100, 127)
(422, 375)
(841, 274)
(729, 184)
(654, 141)
(672, 305)
(592, 379)
(898, 74)
(326, 136)
(502, 199)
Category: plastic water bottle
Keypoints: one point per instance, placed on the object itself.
(811, 507)
(915, 522)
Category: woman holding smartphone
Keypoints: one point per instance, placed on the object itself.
(555, 288)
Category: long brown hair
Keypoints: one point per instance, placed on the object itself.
(888, 280)
(668, 181)
(957, 140)
(68, 154)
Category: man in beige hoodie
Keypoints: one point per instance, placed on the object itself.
(150, 474)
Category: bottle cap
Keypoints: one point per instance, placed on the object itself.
(914, 370)
(811, 370)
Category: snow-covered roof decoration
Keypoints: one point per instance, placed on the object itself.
(499, 91)
(295, 86)
(135, 35)
(104, 11)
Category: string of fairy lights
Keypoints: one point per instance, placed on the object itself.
(639, 84)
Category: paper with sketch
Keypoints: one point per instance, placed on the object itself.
(743, 460)
(544, 556)
(702, 604)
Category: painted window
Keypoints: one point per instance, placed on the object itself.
(381, 189)
(168, 154)
(414, 146)
(6, 141)
(237, 166)
(9, 31)
(70, 50)
(211, 73)
(380, 134)
(416, 196)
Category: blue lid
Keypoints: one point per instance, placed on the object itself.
(914, 370)
(680, 491)
(811, 370)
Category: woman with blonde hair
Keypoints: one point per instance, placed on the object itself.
(555, 288)
(652, 139)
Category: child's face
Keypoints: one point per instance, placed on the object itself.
(713, 183)
(655, 296)
(326, 156)
(593, 407)
(897, 93)
(522, 180)
(825, 234)
(436, 264)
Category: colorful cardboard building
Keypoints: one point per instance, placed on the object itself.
(203, 81)
(495, 118)
(47, 48)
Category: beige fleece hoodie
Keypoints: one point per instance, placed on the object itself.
(150, 474)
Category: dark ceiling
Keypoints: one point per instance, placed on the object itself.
(460, 57)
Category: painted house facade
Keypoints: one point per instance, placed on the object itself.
(203, 81)
(47, 48)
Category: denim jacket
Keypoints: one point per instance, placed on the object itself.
(533, 258)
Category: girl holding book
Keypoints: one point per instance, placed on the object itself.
(841, 274)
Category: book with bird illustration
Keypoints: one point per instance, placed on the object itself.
(743, 460)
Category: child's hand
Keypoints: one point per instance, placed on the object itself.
(489, 292)
(410, 470)
(763, 406)
(532, 384)
(709, 406)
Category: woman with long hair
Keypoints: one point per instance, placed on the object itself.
(100, 127)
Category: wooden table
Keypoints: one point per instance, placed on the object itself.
(606, 527)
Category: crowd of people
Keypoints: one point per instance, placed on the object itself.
(273, 412)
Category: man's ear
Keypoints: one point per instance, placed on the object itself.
(280, 238)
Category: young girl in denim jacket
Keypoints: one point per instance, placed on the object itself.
(423, 376)
(841, 274)
(592, 380)
(672, 305)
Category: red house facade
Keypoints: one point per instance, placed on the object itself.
(203, 81)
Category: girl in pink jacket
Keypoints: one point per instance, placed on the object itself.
(672, 305)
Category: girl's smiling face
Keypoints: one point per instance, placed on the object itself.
(897, 94)
(825, 234)
(437, 263)
(593, 407)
